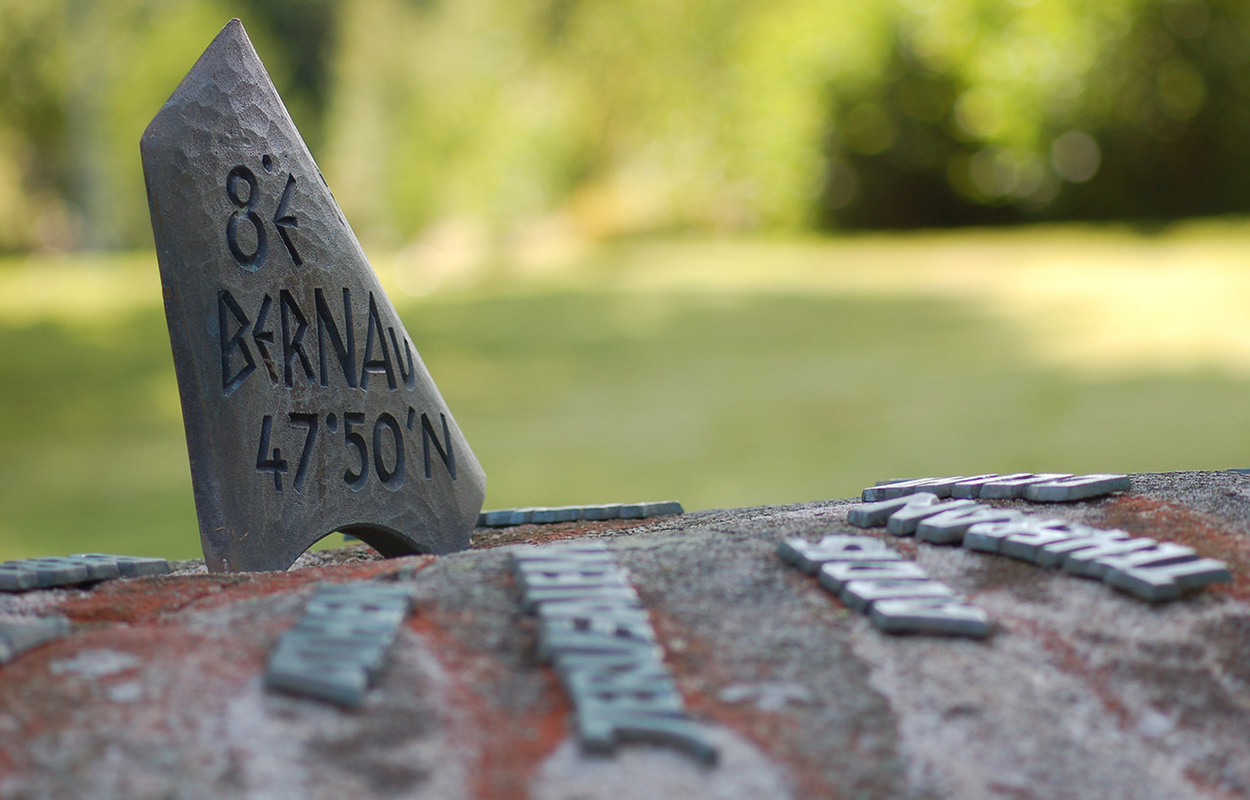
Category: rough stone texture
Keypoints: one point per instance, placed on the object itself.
(1080, 692)
(307, 408)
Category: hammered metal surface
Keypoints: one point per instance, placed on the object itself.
(307, 407)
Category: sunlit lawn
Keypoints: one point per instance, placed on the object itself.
(714, 373)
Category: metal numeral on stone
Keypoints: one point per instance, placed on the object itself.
(338, 648)
(601, 643)
(863, 573)
(306, 405)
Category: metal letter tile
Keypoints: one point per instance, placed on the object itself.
(1088, 562)
(644, 678)
(558, 643)
(949, 527)
(1169, 581)
(368, 655)
(904, 521)
(54, 571)
(1054, 554)
(1026, 544)
(600, 730)
(632, 511)
(588, 551)
(834, 576)
(1009, 488)
(521, 516)
(875, 515)
(561, 514)
(99, 568)
(939, 486)
(345, 686)
(1191, 575)
(603, 647)
(861, 594)
(649, 690)
(499, 518)
(306, 405)
(590, 610)
(661, 703)
(953, 617)
(534, 598)
(392, 612)
(1081, 487)
(367, 631)
(566, 664)
(1159, 555)
(15, 576)
(340, 643)
(137, 566)
(972, 488)
(601, 512)
(809, 556)
(986, 537)
(567, 565)
(664, 508)
(582, 579)
(555, 632)
(18, 637)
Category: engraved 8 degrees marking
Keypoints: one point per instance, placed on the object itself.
(245, 209)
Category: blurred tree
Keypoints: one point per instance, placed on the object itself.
(82, 79)
(649, 115)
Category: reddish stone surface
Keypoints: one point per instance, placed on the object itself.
(1142, 515)
(1082, 691)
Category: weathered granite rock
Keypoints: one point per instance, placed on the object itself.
(1081, 691)
(307, 407)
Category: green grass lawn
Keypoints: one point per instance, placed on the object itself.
(714, 373)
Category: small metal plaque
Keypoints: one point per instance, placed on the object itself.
(307, 407)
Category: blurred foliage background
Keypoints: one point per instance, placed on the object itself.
(658, 249)
(508, 119)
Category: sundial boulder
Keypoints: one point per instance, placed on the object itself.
(307, 407)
